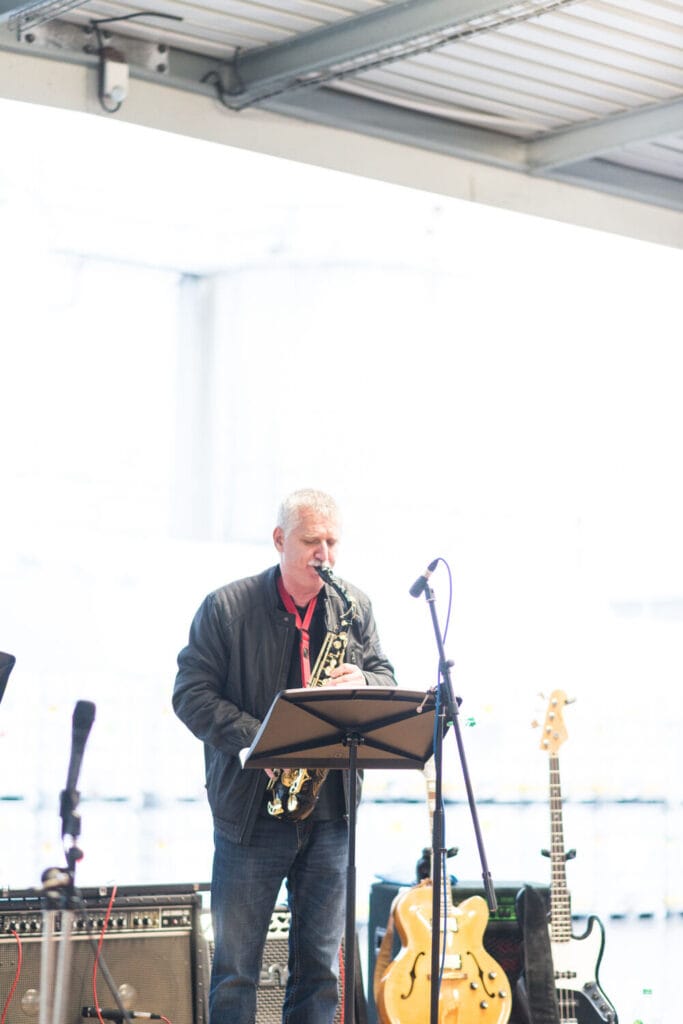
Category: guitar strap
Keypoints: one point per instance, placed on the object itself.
(536, 989)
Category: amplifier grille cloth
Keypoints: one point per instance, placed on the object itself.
(157, 968)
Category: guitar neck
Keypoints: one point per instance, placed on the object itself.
(445, 899)
(560, 906)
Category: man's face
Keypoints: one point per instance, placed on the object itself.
(311, 540)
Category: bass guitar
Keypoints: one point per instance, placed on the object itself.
(473, 987)
(576, 959)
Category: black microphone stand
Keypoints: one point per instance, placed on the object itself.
(447, 706)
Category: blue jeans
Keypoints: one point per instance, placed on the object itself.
(312, 857)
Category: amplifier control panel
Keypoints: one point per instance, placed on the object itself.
(29, 923)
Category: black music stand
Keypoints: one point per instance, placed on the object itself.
(6, 665)
(349, 728)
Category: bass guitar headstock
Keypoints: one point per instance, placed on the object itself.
(554, 730)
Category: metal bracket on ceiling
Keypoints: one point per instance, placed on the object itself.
(71, 42)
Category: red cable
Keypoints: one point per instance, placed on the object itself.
(103, 932)
(342, 984)
(97, 956)
(16, 977)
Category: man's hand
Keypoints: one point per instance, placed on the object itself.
(346, 675)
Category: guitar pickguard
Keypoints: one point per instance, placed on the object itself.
(575, 964)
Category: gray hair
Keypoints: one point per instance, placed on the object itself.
(307, 498)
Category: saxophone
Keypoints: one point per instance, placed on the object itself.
(295, 790)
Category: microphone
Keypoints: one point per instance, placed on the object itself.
(81, 723)
(421, 581)
(91, 1011)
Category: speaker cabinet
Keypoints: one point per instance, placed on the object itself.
(152, 951)
(502, 937)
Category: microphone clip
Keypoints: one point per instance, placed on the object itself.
(69, 800)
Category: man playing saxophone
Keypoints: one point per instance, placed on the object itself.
(249, 640)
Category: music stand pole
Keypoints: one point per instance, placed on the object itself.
(352, 741)
(448, 705)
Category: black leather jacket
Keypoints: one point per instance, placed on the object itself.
(236, 661)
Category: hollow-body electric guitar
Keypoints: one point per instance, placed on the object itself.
(474, 989)
(575, 958)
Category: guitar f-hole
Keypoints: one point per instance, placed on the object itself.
(413, 976)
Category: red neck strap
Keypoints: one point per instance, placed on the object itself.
(302, 625)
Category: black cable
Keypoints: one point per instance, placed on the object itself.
(221, 92)
(136, 14)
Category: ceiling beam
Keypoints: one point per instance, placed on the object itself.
(600, 137)
(425, 131)
(377, 36)
(553, 159)
(349, 112)
(627, 182)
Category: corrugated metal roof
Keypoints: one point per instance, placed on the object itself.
(582, 90)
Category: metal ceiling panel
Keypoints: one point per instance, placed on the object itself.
(588, 91)
(222, 29)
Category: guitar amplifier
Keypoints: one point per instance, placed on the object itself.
(502, 937)
(153, 950)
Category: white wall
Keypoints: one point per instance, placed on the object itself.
(497, 390)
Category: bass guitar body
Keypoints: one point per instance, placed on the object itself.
(473, 990)
(576, 963)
